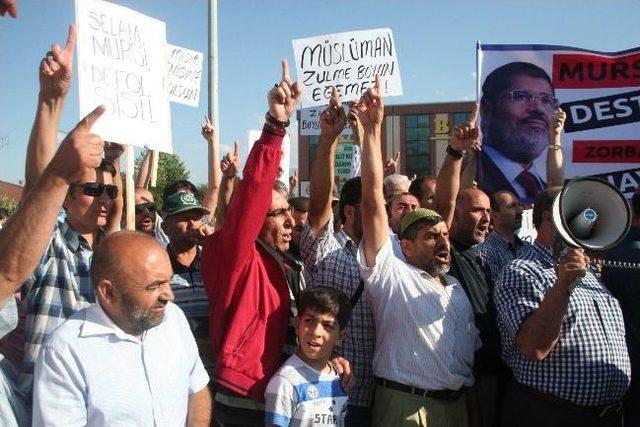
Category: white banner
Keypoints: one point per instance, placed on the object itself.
(122, 62)
(310, 121)
(521, 85)
(349, 61)
(185, 73)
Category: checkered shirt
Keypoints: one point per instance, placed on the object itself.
(496, 252)
(59, 286)
(589, 364)
(331, 260)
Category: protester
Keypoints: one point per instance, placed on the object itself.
(395, 184)
(467, 213)
(330, 257)
(562, 334)
(129, 359)
(620, 282)
(229, 166)
(502, 245)
(300, 212)
(398, 207)
(253, 286)
(183, 225)
(421, 363)
(320, 326)
(424, 189)
(518, 103)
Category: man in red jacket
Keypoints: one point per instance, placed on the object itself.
(251, 282)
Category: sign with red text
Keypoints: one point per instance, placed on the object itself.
(122, 64)
(520, 86)
(349, 61)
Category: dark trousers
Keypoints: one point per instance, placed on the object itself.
(227, 416)
(522, 409)
(357, 416)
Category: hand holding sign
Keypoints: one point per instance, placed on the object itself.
(283, 98)
(80, 150)
(467, 135)
(332, 119)
(56, 69)
(370, 108)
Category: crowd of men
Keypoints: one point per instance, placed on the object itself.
(444, 316)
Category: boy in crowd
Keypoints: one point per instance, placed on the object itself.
(306, 390)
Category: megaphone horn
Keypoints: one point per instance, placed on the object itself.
(590, 213)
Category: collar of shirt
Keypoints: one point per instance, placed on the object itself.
(181, 268)
(72, 237)
(98, 323)
(516, 241)
(511, 169)
(543, 253)
(346, 241)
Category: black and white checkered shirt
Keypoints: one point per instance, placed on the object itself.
(589, 364)
(331, 260)
(496, 252)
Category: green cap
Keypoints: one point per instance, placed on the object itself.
(182, 201)
(410, 218)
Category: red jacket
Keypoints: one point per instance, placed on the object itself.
(248, 296)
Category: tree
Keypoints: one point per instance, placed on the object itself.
(7, 204)
(170, 168)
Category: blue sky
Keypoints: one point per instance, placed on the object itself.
(435, 43)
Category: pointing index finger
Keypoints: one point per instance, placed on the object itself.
(88, 121)
(285, 71)
(71, 39)
(474, 115)
(235, 148)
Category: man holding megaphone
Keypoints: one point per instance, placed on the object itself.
(562, 331)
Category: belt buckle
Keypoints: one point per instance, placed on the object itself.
(609, 408)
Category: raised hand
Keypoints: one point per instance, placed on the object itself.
(56, 69)
(333, 118)
(293, 179)
(557, 124)
(112, 151)
(467, 135)
(354, 123)
(10, 7)
(208, 131)
(391, 165)
(283, 98)
(370, 107)
(80, 150)
(573, 265)
(230, 163)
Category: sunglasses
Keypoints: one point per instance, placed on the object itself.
(95, 189)
(146, 207)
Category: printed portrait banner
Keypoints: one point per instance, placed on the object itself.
(599, 92)
(122, 64)
(349, 61)
(185, 73)
(310, 120)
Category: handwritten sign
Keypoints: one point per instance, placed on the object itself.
(122, 64)
(347, 161)
(310, 121)
(349, 61)
(185, 72)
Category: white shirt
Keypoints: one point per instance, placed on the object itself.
(298, 395)
(511, 169)
(90, 372)
(425, 332)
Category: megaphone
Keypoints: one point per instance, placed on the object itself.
(590, 213)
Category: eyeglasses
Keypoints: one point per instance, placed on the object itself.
(95, 189)
(279, 212)
(146, 207)
(525, 97)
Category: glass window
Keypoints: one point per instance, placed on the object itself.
(411, 121)
(460, 118)
(423, 147)
(411, 134)
(423, 121)
(423, 133)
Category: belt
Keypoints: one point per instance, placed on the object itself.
(599, 411)
(436, 394)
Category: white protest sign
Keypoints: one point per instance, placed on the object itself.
(349, 61)
(185, 72)
(310, 121)
(122, 62)
(347, 161)
(285, 161)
